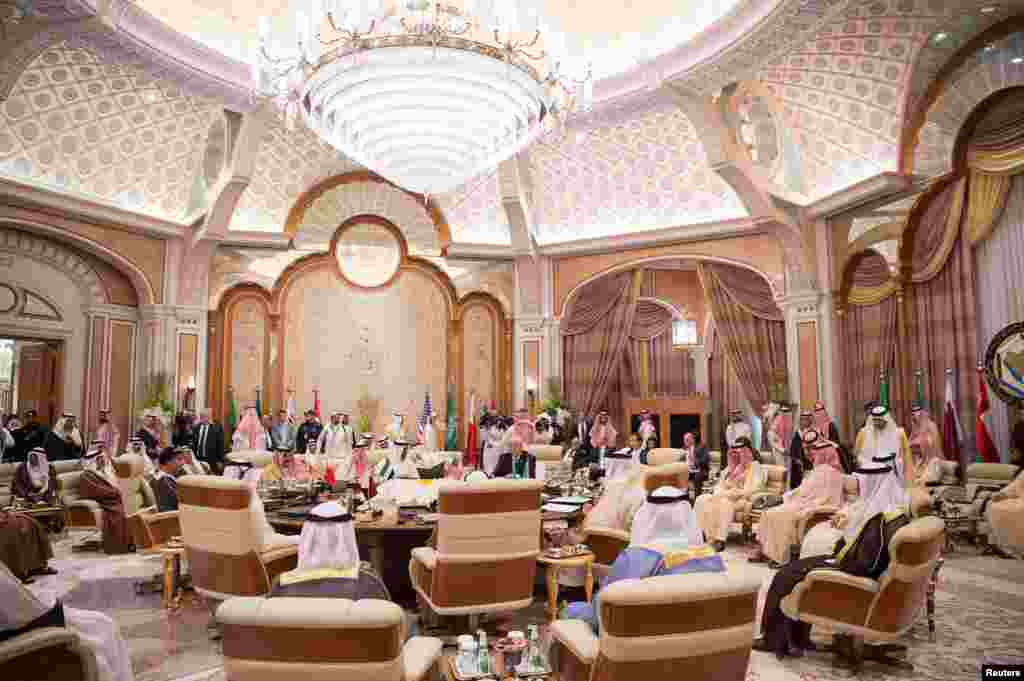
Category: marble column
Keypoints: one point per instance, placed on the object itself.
(808, 347)
(162, 327)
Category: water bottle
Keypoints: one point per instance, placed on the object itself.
(533, 660)
(483, 657)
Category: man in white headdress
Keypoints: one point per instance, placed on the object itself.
(646, 430)
(396, 429)
(251, 434)
(35, 479)
(24, 611)
(665, 540)
(737, 428)
(99, 483)
(108, 432)
(64, 442)
(742, 478)
(329, 565)
(880, 438)
(335, 443)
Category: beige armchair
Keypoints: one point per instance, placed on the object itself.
(321, 639)
(606, 544)
(661, 456)
(775, 484)
(488, 540)
(691, 626)
(858, 609)
(78, 512)
(549, 458)
(227, 539)
(670, 474)
(135, 490)
(150, 530)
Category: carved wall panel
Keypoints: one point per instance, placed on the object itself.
(248, 350)
(479, 331)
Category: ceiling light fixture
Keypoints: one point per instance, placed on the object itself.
(989, 10)
(939, 37)
(426, 93)
(1017, 60)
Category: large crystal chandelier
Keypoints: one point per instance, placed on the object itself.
(426, 93)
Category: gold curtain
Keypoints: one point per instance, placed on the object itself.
(996, 161)
(986, 197)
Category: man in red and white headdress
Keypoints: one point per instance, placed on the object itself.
(522, 433)
(646, 430)
(603, 436)
(108, 433)
(250, 434)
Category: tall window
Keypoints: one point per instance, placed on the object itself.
(684, 332)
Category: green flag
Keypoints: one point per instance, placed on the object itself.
(451, 441)
(232, 419)
(259, 410)
(919, 388)
(883, 390)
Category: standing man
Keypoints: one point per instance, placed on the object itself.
(602, 437)
(6, 443)
(335, 442)
(149, 433)
(737, 428)
(697, 460)
(308, 434)
(209, 439)
(108, 433)
(64, 442)
(28, 437)
(881, 438)
(283, 433)
(165, 484)
(798, 460)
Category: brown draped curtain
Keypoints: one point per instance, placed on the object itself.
(670, 372)
(750, 325)
(726, 391)
(595, 334)
(868, 338)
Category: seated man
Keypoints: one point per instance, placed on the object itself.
(517, 464)
(165, 484)
(618, 464)
(821, 488)
(862, 551)
(187, 464)
(35, 480)
(738, 483)
(1005, 511)
(24, 545)
(665, 540)
(99, 483)
(23, 611)
(329, 565)
(697, 460)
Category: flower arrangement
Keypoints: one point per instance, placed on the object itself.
(553, 406)
(156, 397)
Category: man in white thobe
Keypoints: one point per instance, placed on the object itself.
(335, 443)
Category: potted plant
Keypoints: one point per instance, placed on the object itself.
(156, 398)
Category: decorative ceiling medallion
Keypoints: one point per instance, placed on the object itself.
(1004, 364)
(369, 251)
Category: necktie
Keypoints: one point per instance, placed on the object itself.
(202, 440)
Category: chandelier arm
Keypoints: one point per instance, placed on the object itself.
(280, 60)
(536, 37)
(529, 55)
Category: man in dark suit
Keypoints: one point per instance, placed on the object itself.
(209, 439)
(516, 463)
(27, 438)
(696, 456)
(308, 433)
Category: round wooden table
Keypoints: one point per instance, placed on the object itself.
(555, 565)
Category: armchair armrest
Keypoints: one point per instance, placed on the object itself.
(578, 638)
(805, 521)
(425, 556)
(419, 655)
(605, 542)
(829, 596)
(37, 641)
(163, 526)
(279, 559)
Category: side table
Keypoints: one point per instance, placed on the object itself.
(555, 565)
(171, 597)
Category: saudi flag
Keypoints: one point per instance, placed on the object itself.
(259, 409)
(883, 390)
(919, 388)
(451, 441)
(232, 419)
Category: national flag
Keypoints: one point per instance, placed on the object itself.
(982, 433)
(329, 476)
(291, 406)
(316, 404)
(952, 434)
(883, 389)
(425, 417)
(919, 389)
(471, 440)
(451, 441)
(259, 407)
(232, 418)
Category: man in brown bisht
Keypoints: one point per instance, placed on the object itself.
(24, 543)
(99, 483)
(35, 480)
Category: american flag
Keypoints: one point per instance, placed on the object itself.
(428, 412)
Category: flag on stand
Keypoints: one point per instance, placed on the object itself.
(424, 420)
(952, 434)
(982, 435)
(883, 389)
(451, 441)
(471, 444)
(232, 419)
(291, 406)
(329, 476)
(259, 407)
(919, 389)
(316, 404)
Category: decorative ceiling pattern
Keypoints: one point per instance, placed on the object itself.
(328, 211)
(104, 131)
(996, 66)
(475, 214)
(645, 174)
(287, 164)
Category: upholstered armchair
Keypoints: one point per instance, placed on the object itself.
(488, 540)
(661, 456)
(135, 490)
(775, 485)
(670, 474)
(150, 530)
(547, 456)
(7, 471)
(321, 639)
(227, 541)
(858, 609)
(78, 512)
(691, 626)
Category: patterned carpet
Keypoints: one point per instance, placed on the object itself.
(979, 613)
